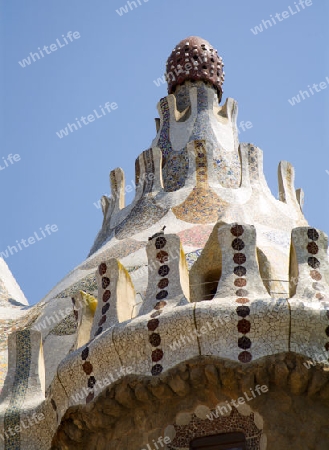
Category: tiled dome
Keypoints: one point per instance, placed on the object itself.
(195, 59)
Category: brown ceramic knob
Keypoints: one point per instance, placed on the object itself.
(195, 59)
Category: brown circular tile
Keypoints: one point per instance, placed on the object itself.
(237, 244)
(163, 271)
(160, 242)
(327, 331)
(243, 311)
(240, 271)
(162, 256)
(102, 321)
(241, 292)
(244, 342)
(105, 308)
(240, 282)
(319, 296)
(313, 262)
(312, 248)
(155, 314)
(237, 230)
(160, 305)
(243, 326)
(106, 296)
(102, 268)
(153, 324)
(105, 282)
(316, 275)
(156, 369)
(163, 283)
(239, 258)
(313, 234)
(155, 339)
(242, 300)
(162, 294)
(327, 346)
(245, 357)
(91, 382)
(87, 367)
(157, 355)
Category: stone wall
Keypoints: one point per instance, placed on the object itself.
(292, 413)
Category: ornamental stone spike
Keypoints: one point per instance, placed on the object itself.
(240, 277)
(309, 267)
(116, 296)
(84, 309)
(24, 386)
(117, 179)
(167, 273)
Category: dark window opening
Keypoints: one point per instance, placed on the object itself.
(226, 441)
(210, 284)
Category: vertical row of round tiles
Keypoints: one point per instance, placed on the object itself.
(86, 366)
(88, 370)
(314, 263)
(153, 323)
(102, 268)
(240, 282)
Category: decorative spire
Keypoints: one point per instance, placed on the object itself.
(195, 59)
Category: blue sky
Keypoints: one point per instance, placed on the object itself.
(115, 59)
